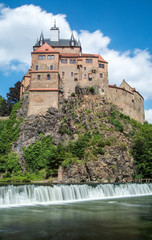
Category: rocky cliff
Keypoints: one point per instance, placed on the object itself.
(76, 116)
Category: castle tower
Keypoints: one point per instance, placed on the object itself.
(44, 80)
(55, 33)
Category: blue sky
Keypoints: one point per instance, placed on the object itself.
(121, 31)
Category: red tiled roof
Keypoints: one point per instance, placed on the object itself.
(76, 55)
(132, 90)
(114, 86)
(101, 59)
(45, 48)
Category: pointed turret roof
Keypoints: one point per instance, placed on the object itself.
(72, 37)
(41, 41)
(45, 48)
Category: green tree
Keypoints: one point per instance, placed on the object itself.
(142, 151)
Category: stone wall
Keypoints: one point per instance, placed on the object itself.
(68, 49)
(130, 103)
(41, 101)
(84, 75)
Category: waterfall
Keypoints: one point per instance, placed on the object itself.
(37, 194)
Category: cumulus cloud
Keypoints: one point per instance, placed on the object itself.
(20, 27)
(148, 115)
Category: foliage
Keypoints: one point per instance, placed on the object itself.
(13, 97)
(92, 90)
(115, 121)
(2, 124)
(9, 164)
(72, 94)
(14, 93)
(10, 131)
(44, 155)
(64, 128)
(142, 151)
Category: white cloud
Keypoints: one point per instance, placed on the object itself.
(148, 115)
(20, 27)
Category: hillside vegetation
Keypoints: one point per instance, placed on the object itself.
(88, 137)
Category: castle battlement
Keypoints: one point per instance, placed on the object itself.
(59, 66)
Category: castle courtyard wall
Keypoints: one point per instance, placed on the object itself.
(130, 103)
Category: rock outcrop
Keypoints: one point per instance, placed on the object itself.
(75, 117)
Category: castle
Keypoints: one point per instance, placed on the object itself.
(58, 65)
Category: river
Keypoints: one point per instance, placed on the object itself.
(112, 218)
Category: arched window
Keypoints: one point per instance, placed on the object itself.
(48, 77)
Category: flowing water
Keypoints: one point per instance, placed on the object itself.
(37, 212)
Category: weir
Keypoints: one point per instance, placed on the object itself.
(38, 194)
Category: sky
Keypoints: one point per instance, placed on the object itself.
(119, 30)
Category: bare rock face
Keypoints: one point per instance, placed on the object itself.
(115, 167)
(34, 125)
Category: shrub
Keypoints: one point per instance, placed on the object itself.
(118, 125)
(92, 90)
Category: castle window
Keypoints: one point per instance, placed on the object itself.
(84, 68)
(85, 75)
(38, 77)
(50, 57)
(48, 77)
(63, 74)
(41, 57)
(101, 65)
(72, 61)
(71, 74)
(88, 60)
(64, 61)
(101, 75)
(37, 67)
(51, 67)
